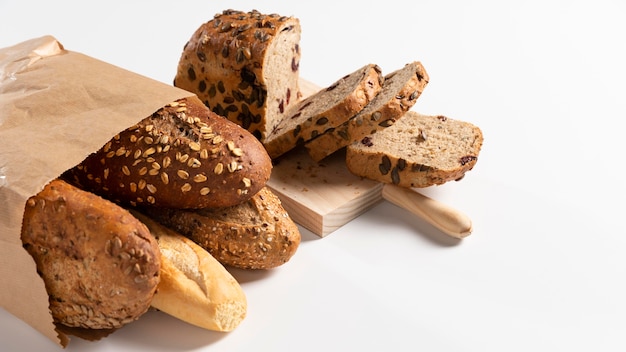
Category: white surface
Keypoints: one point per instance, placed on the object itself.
(545, 265)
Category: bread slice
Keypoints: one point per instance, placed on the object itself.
(417, 151)
(257, 234)
(400, 91)
(326, 109)
(245, 67)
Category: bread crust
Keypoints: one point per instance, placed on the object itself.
(244, 66)
(400, 91)
(257, 234)
(326, 109)
(417, 151)
(194, 286)
(100, 265)
(183, 156)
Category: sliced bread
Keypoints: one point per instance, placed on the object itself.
(400, 91)
(245, 67)
(417, 151)
(327, 108)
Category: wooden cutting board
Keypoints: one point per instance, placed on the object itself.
(321, 196)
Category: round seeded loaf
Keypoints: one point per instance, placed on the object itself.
(326, 109)
(257, 234)
(244, 66)
(183, 156)
(399, 92)
(417, 151)
(100, 265)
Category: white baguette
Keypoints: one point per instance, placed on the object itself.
(194, 286)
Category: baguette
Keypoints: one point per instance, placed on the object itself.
(257, 234)
(99, 264)
(195, 287)
(183, 156)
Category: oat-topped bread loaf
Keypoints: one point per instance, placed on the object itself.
(182, 156)
(326, 109)
(244, 66)
(257, 234)
(400, 91)
(100, 265)
(417, 151)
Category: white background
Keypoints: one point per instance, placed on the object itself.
(543, 270)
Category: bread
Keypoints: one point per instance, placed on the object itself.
(257, 234)
(244, 66)
(417, 151)
(183, 156)
(99, 264)
(195, 287)
(399, 92)
(326, 109)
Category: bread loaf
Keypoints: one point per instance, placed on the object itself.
(399, 92)
(417, 151)
(244, 66)
(324, 110)
(257, 234)
(195, 287)
(183, 156)
(99, 264)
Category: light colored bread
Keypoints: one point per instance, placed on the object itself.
(183, 156)
(400, 91)
(100, 265)
(417, 151)
(195, 287)
(257, 234)
(244, 66)
(326, 109)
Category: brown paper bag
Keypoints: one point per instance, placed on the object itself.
(56, 107)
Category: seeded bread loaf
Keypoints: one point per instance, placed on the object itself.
(183, 156)
(400, 91)
(324, 110)
(99, 264)
(194, 286)
(257, 234)
(417, 151)
(244, 66)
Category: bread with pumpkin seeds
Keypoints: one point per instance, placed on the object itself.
(400, 91)
(182, 156)
(417, 151)
(244, 66)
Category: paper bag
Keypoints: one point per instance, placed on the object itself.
(56, 107)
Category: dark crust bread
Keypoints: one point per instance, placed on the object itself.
(244, 66)
(183, 156)
(100, 265)
(257, 234)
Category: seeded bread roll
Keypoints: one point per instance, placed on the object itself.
(417, 151)
(244, 66)
(194, 286)
(399, 93)
(257, 234)
(183, 156)
(326, 109)
(100, 265)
